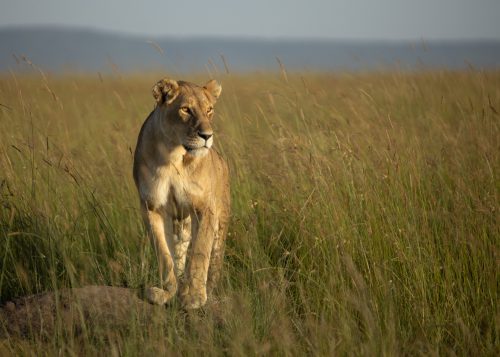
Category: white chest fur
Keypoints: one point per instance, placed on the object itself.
(168, 183)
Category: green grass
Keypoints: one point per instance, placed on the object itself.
(365, 211)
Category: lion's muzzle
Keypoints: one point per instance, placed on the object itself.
(199, 145)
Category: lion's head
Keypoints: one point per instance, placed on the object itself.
(187, 111)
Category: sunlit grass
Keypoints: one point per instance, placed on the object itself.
(365, 211)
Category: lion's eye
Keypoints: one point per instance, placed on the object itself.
(210, 110)
(185, 110)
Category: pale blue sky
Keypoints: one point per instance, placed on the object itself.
(340, 19)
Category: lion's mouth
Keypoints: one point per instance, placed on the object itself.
(191, 148)
(197, 150)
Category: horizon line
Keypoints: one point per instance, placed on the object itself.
(144, 36)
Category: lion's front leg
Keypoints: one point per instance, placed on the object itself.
(194, 291)
(216, 260)
(156, 231)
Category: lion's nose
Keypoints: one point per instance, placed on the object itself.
(205, 135)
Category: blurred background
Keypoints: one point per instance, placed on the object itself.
(183, 36)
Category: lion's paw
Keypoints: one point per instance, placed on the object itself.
(157, 296)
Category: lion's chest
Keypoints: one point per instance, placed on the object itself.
(171, 189)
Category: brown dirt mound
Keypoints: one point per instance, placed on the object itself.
(73, 310)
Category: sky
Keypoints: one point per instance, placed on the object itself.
(334, 19)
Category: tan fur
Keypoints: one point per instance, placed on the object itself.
(183, 187)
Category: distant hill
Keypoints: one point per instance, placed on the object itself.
(67, 49)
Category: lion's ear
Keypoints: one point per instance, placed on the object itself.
(214, 88)
(165, 91)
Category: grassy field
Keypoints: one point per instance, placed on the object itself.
(365, 211)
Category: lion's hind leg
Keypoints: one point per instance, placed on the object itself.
(182, 238)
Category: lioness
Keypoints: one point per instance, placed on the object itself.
(183, 186)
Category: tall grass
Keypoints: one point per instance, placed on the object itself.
(365, 211)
